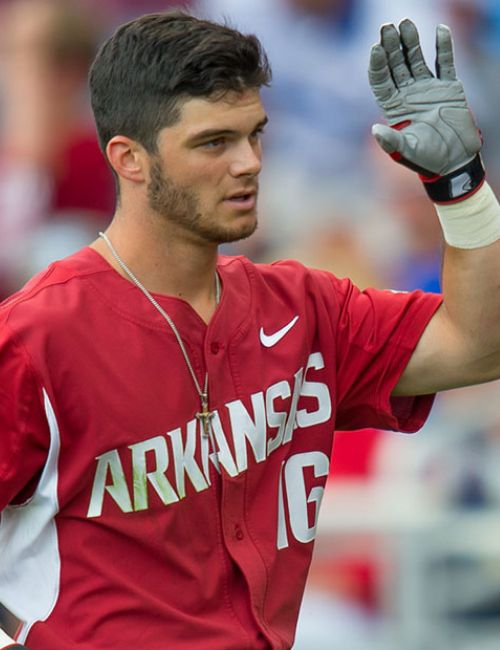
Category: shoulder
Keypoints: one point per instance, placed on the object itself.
(338, 300)
(283, 275)
(54, 290)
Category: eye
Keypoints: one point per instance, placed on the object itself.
(213, 144)
(256, 135)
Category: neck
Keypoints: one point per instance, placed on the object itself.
(169, 263)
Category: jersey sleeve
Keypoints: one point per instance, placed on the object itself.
(376, 334)
(24, 433)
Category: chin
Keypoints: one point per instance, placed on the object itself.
(228, 235)
(245, 230)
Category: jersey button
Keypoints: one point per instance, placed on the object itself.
(215, 347)
(239, 534)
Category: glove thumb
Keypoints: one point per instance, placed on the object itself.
(390, 140)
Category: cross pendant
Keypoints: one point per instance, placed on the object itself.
(205, 415)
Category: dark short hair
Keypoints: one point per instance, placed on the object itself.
(142, 72)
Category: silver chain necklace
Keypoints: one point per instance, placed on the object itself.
(205, 415)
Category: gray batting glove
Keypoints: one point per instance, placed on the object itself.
(431, 130)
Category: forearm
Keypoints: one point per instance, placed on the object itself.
(471, 271)
(461, 344)
(432, 131)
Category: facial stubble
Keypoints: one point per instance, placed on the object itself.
(182, 206)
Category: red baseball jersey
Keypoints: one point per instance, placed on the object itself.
(122, 527)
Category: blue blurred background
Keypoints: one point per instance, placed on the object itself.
(408, 548)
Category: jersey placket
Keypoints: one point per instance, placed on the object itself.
(219, 381)
(237, 541)
(242, 550)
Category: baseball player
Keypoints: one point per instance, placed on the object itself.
(167, 413)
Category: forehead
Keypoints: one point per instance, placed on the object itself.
(233, 111)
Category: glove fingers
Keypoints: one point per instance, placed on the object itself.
(445, 65)
(389, 139)
(379, 75)
(413, 51)
(390, 41)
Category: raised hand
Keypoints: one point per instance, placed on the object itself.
(431, 130)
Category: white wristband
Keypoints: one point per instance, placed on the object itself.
(473, 222)
(5, 640)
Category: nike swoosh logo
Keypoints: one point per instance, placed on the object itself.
(268, 340)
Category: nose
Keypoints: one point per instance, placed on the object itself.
(247, 160)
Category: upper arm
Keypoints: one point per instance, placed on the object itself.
(444, 358)
(24, 434)
(375, 335)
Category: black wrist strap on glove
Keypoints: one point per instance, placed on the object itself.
(16, 647)
(457, 185)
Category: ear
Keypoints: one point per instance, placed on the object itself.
(128, 158)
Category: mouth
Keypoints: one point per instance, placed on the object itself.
(244, 200)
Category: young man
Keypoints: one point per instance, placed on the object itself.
(167, 414)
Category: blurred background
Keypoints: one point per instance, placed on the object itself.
(408, 548)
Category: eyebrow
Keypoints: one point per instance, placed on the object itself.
(210, 133)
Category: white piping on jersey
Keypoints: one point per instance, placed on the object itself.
(30, 562)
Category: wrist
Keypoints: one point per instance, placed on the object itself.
(458, 184)
(473, 222)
